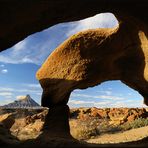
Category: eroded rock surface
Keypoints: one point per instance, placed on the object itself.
(28, 125)
(115, 116)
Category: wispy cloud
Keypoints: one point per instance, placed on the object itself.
(36, 48)
(2, 65)
(19, 46)
(108, 97)
(107, 92)
(105, 103)
(102, 20)
(33, 85)
(2, 89)
(20, 97)
(5, 94)
(82, 103)
(4, 71)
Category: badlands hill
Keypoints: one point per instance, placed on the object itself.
(23, 102)
(85, 123)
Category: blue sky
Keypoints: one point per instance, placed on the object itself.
(19, 64)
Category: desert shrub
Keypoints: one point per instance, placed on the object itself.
(86, 133)
(90, 128)
(105, 127)
(137, 123)
(84, 129)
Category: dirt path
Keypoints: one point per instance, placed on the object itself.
(126, 136)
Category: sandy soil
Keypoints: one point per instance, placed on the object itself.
(126, 136)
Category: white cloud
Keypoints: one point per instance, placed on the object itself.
(85, 103)
(78, 102)
(2, 65)
(5, 94)
(107, 92)
(111, 97)
(29, 88)
(20, 97)
(33, 85)
(119, 104)
(102, 20)
(105, 103)
(108, 97)
(19, 46)
(4, 71)
(2, 89)
(26, 91)
(77, 90)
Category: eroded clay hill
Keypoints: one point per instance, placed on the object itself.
(115, 116)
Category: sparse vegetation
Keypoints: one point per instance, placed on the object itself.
(84, 129)
(137, 123)
(83, 124)
(92, 127)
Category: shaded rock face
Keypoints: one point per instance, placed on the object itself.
(91, 57)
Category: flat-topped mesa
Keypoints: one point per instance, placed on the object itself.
(90, 57)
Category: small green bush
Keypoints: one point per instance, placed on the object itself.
(137, 123)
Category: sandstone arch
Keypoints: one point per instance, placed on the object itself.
(91, 57)
(22, 18)
(94, 56)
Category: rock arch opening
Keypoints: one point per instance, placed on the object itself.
(104, 113)
(110, 94)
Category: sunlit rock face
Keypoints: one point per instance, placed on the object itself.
(91, 57)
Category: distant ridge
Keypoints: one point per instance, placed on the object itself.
(24, 102)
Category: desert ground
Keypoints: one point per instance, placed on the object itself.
(91, 127)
